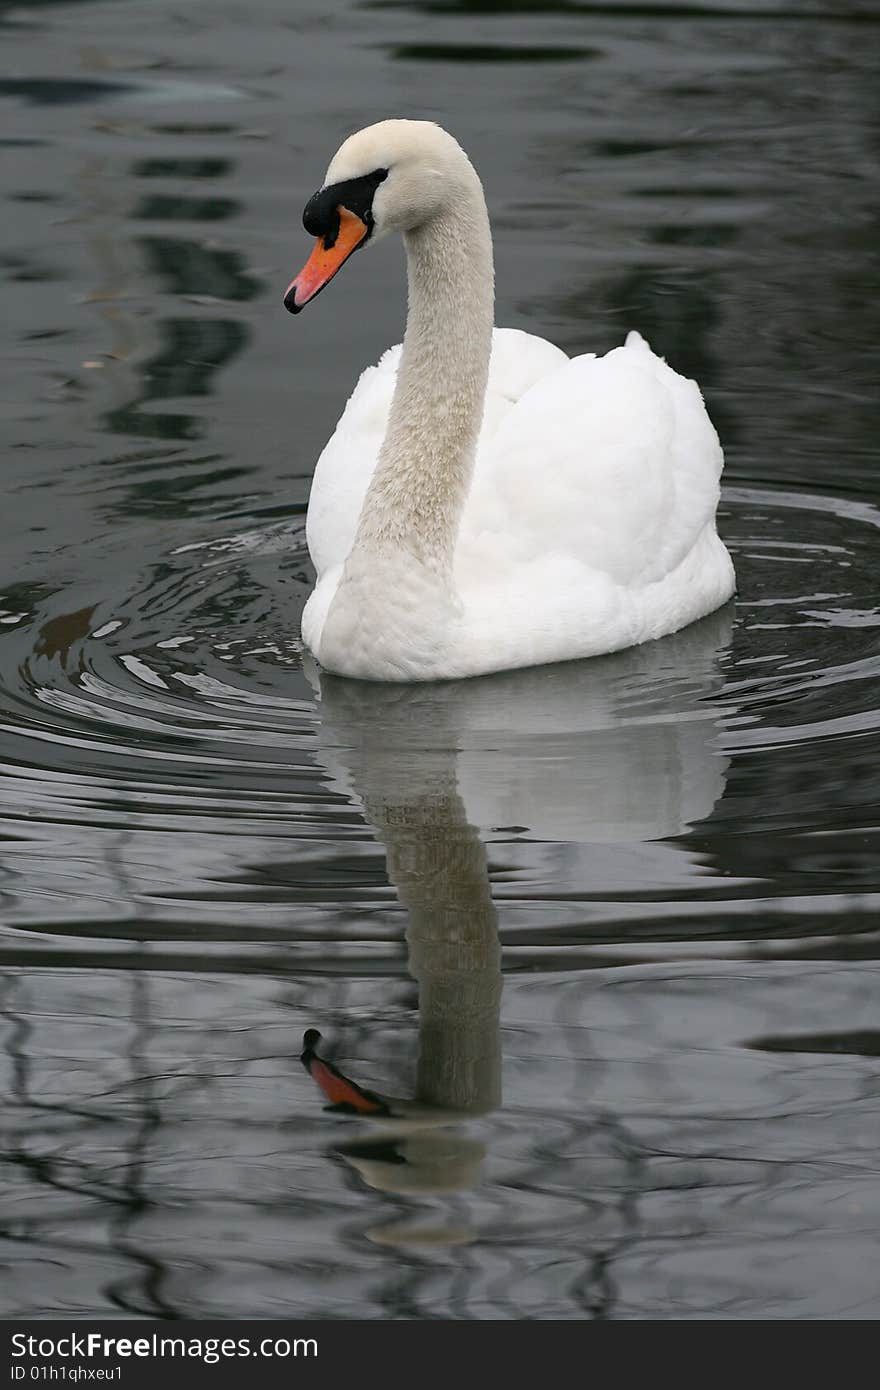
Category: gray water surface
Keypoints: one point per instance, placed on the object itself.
(657, 1097)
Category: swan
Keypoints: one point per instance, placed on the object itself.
(486, 502)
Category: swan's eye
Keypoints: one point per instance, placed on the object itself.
(321, 215)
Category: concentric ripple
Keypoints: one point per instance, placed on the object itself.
(170, 758)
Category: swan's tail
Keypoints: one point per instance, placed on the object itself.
(635, 340)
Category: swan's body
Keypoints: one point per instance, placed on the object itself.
(589, 525)
(486, 502)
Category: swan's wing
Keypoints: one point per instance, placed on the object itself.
(519, 361)
(343, 472)
(611, 462)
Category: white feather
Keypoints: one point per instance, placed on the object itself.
(589, 525)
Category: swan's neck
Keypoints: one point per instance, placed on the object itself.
(415, 500)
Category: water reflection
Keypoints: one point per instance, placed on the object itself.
(191, 350)
(44, 1151)
(622, 749)
(490, 53)
(60, 91)
(183, 166)
(182, 207)
(185, 267)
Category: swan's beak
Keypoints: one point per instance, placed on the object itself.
(342, 1093)
(325, 260)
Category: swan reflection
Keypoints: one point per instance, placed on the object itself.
(621, 750)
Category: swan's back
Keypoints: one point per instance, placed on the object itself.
(610, 460)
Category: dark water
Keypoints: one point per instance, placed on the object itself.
(671, 1109)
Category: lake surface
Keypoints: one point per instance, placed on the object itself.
(608, 929)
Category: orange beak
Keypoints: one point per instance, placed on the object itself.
(341, 1093)
(324, 261)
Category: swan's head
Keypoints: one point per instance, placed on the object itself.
(390, 177)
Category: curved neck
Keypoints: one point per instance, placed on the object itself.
(415, 499)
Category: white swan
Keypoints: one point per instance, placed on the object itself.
(486, 502)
